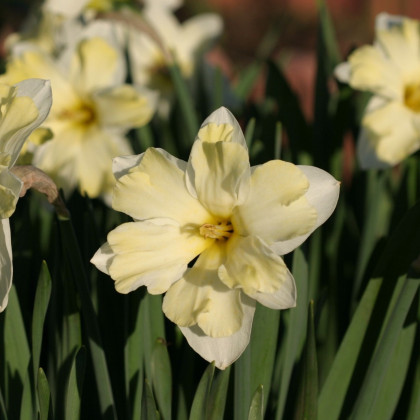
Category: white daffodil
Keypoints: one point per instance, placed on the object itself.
(238, 220)
(148, 59)
(390, 69)
(91, 112)
(23, 107)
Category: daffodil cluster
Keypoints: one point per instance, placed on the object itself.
(23, 107)
(390, 70)
(236, 219)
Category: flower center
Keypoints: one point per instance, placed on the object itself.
(84, 114)
(221, 231)
(412, 97)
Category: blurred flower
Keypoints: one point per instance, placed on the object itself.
(149, 63)
(238, 221)
(390, 70)
(23, 107)
(91, 112)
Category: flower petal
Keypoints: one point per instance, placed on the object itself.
(224, 350)
(276, 208)
(220, 174)
(283, 298)
(152, 253)
(222, 117)
(252, 266)
(372, 71)
(201, 298)
(10, 187)
(391, 131)
(147, 189)
(6, 267)
(125, 106)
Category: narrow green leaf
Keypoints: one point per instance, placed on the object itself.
(242, 385)
(335, 387)
(390, 391)
(381, 359)
(148, 407)
(218, 394)
(100, 367)
(3, 413)
(201, 397)
(186, 104)
(16, 353)
(44, 397)
(162, 378)
(247, 79)
(296, 327)
(249, 132)
(306, 408)
(42, 298)
(256, 411)
(75, 385)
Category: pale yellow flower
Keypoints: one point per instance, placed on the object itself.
(390, 69)
(238, 220)
(23, 107)
(149, 65)
(92, 109)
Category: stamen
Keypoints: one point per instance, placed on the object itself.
(222, 230)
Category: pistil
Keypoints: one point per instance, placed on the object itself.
(221, 231)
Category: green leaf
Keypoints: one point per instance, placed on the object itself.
(242, 385)
(380, 362)
(295, 333)
(218, 394)
(256, 411)
(148, 406)
(162, 378)
(186, 104)
(75, 385)
(72, 251)
(42, 298)
(44, 397)
(3, 413)
(336, 385)
(395, 376)
(201, 397)
(247, 79)
(308, 390)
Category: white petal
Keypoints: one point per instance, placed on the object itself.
(70, 9)
(152, 253)
(10, 187)
(322, 194)
(200, 298)
(225, 350)
(6, 267)
(252, 266)
(343, 72)
(283, 298)
(103, 258)
(220, 173)
(156, 188)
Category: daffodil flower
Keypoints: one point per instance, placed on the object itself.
(92, 110)
(390, 70)
(238, 220)
(23, 107)
(149, 65)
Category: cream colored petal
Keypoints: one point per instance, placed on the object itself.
(66, 8)
(373, 72)
(156, 188)
(201, 298)
(283, 298)
(125, 106)
(35, 64)
(224, 118)
(401, 43)
(224, 350)
(322, 195)
(276, 208)
(10, 187)
(28, 110)
(252, 266)
(94, 65)
(152, 253)
(199, 29)
(220, 174)
(103, 258)
(6, 267)
(390, 133)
